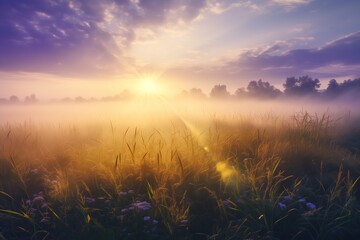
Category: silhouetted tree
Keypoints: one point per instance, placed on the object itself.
(304, 85)
(262, 89)
(30, 99)
(124, 95)
(351, 85)
(197, 93)
(219, 91)
(14, 99)
(333, 88)
(80, 99)
(241, 93)
(66, 99)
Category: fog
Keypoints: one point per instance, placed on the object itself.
(155, 112)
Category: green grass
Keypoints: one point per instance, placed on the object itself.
(238, 179)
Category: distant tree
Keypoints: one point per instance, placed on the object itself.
(351, 85)
(219, 91)
(196, 93)
(3, 100)
(14, 99)
(30, 99)
(301, 86)
(262, 89)
(240, 93)
(124, 95)
(66, 99)
(80, 99)
(335, 89)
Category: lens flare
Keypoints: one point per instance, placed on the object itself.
(228, 173)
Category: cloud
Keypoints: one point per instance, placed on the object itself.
(277, 58)
(290, 4)
(78, 36)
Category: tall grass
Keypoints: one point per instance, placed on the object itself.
(269, 178)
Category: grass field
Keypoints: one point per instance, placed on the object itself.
(265, 176)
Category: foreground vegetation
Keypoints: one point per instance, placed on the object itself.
(236, 179)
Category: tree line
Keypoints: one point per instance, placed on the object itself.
(303, 86)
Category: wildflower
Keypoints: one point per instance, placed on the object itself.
(226, 203)
(54, 182)
(155, 221)
(28, 202)
(308, 214)
(45, 220)
(302, 200)
(184, 221)
(282, 205)
(131, 192)
(33, 210)
(124, 210)
(45, 206)
(311, 205)
(34, 171)
(89, 200)
(121, 194)
(287, 197)
(131, 208)
(38, 198)
(147, 218)
(142, 205)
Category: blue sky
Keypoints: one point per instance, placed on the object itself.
(78, 47)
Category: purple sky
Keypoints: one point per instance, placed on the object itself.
(90, 47)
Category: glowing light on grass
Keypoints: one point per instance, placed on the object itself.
(228, 173)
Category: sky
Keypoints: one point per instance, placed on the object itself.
(68, 48)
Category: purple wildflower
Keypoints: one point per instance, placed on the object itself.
(34, 171)
(142, 205)
(302, 200)
(282, 205)
(226, 203)
(184, 221)
(121, 194)
(89, 200)
(287, 197)
(54, 182)
(45, 220)
(45, 206)
(147, 218)
(38, 198)
(155, 221)
(311, 205)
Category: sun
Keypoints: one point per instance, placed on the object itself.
(149, 86)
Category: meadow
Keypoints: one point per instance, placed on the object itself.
(158, 172)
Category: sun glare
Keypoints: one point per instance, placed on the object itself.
(149, 86)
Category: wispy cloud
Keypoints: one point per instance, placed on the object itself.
(340, 51)
(81, 37)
